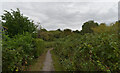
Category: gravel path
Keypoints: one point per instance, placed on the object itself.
(48, 65)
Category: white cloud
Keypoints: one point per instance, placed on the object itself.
(59, 0)
(54, 15)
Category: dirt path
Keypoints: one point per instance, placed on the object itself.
(48, 64)
(38, 64)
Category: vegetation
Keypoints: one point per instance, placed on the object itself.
(88, 55)
(94, 48)
(20, 46)
(87, 27)
(56, 63)
(90, 52)
(15, 23)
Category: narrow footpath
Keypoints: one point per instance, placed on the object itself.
(48, 63)
(43, 63)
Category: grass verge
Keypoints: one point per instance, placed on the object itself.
(38, 63)
(56, 63)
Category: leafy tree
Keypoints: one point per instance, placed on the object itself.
(116, 27)
(15, 23)
(86, 28)
(0, 27)
(59, 30)
(76, 31)
(111, 29)
(43, 30)
(67, 32)
(102, 28)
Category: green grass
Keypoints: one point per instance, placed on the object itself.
(56, 63)
(37, 64)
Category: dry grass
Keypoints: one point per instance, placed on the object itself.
(38, 63)
(57, 65)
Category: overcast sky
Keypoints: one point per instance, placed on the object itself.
(54, 15)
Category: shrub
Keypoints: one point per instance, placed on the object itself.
(15, 23)
(18, 51)
(98, 52)
(39, 47)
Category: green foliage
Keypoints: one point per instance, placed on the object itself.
(89, 52)
(49, 35)
(15, 50)
(39, 47)
(15, 23)
(67, 31)
(87, 27)
(59, 30)
(103, 28)
(56, 63)
(19, 51)
(98, 52)
(76, 31)
(19, 43)
(49, 44)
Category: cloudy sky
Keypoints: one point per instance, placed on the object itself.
(54, 15)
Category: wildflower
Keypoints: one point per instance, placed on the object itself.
(16, 69)
(25, 62)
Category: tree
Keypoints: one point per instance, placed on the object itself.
(111, 29)
(67, 32)
(0, 25)
(59, 30)
(16, 23)
(87, 27)
(102, 28)
(76, 31)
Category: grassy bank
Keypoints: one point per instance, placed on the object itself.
(38, 63)
(56, 63)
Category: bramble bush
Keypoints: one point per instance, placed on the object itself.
(39, 47)
(20, 51)
(97, 51)
(89, 52)
(19, 43)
